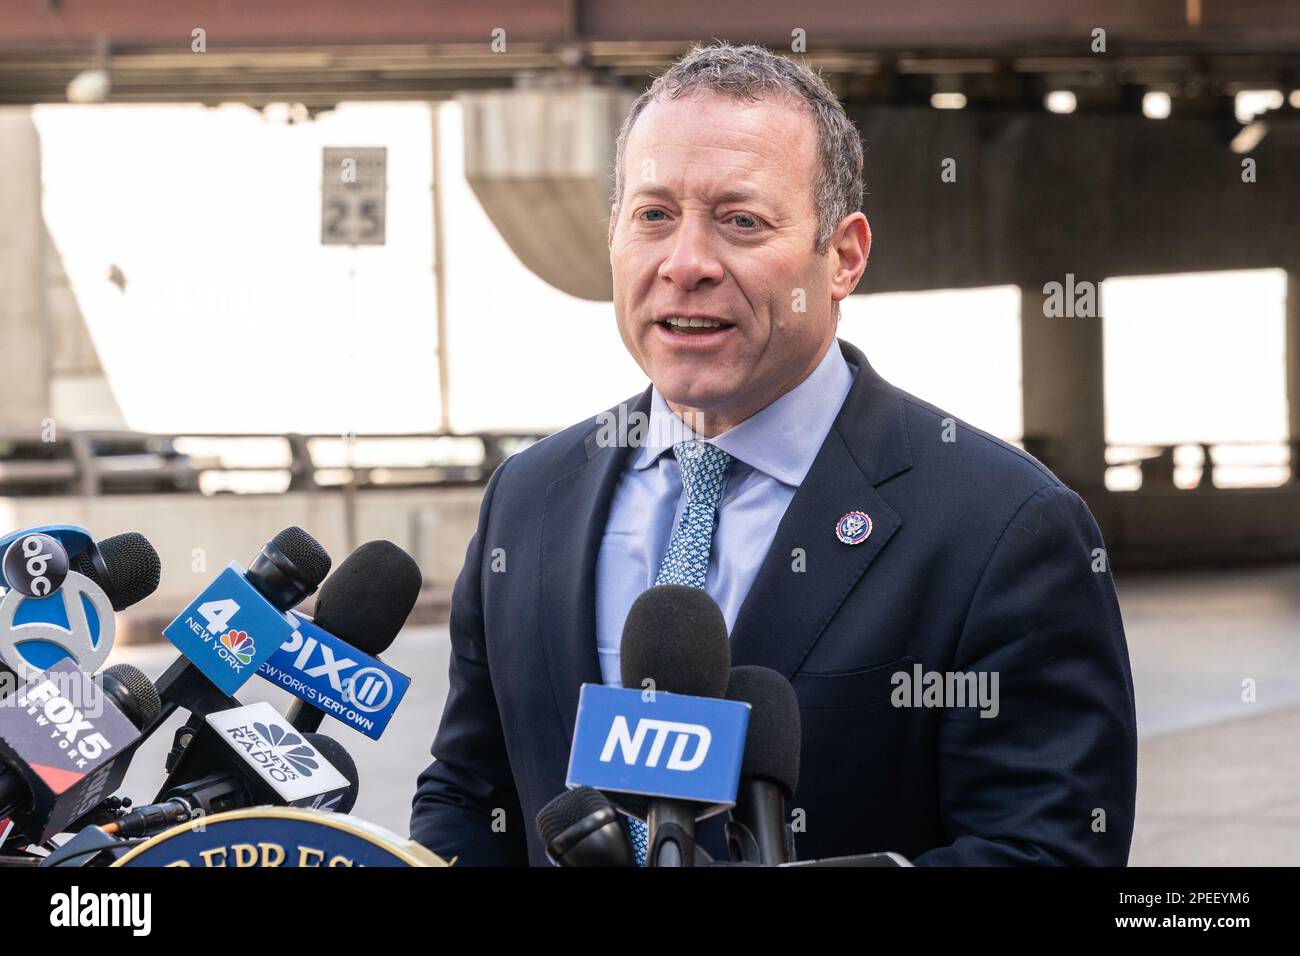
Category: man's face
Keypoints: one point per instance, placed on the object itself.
(717, 224)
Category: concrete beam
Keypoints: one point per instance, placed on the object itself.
(80, 393)
(1063, 393)
(1036, 196)
(1039, 195)
(922, 24)
(49, 367)
(26, 352)
(541, 163)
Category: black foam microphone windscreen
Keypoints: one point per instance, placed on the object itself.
(342, 761)
(128, 569)
(367, 600)
(676, 637)
(773, 740)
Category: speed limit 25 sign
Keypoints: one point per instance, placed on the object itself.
(354, 192)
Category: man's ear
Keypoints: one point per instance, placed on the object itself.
(850, 246)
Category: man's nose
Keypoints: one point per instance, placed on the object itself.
(691, 258)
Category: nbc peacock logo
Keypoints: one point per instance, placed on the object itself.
(289, 746)
(240, 645)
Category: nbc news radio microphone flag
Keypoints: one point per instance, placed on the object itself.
(672, 746)
(269, 762)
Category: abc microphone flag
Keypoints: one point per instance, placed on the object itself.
(63, 590)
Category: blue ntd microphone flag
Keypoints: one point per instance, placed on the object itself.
(661, 745)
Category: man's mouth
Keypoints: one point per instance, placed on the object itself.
(692, 325)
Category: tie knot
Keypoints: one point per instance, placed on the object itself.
(704, 467)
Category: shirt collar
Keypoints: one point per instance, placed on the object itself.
(780, 440)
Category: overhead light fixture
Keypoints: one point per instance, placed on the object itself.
(1060, 101)
(277, 112)
(1249, 137)
(1248, 104)
(89, 86)
(1156, 105)
(948, 101)
(92, 85)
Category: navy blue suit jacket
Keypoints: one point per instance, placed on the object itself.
(979, 560)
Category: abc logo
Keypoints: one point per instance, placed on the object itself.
(36, 565)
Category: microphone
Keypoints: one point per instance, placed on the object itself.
(270, 761)
(769, 775)
(234, 624)
(289, 568)
(125, 567)
(134, 694)
(107, 576)
(580, 827)
(337, 756)
(233, 790)
(674, 641)
(65, 742)
(676, 638)
(364, 604)
(41, 619)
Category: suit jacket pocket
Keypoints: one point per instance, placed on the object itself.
(866, 687)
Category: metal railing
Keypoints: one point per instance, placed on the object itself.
(1189, 465)
(99, 462)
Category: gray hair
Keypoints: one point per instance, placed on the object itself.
(751, 73)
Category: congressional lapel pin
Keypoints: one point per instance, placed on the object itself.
(854, 527)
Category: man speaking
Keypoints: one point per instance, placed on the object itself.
(858, 540)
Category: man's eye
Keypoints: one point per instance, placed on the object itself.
(652, 212)
(745, 221)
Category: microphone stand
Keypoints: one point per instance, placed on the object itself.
(671, 824)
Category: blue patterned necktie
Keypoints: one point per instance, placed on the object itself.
(686, 562)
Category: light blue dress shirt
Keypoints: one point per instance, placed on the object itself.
(773, 451)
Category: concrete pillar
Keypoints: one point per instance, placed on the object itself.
(80, 394)
(25, 348)
(1063, 396)
(1293, 368)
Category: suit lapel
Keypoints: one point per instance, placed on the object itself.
(786, 610)
(808, 572)
(574, 515)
